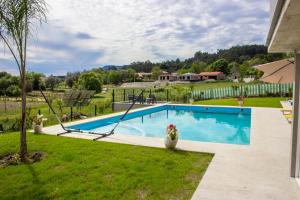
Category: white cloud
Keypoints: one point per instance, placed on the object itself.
(123, 31)
(10, 69)
(38, 54)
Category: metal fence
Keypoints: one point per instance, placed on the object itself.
(245, 90)
(161, 94)
(122, 95)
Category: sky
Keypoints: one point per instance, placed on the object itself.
(84, 34)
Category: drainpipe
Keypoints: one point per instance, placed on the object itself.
(295, 152)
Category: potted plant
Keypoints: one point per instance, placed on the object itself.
(37, 123)
(172, 137)
(240, 100)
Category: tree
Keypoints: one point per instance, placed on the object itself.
(114, 77)
(131, 75)
(14, 91)
(37, 80)
(29, 82)
(220, 65)
(90, 81)
(183, 71)
(71, 78)
(156, 71)
(9, 85)
(4, 83)
(17, 18)
(198, 67)
(51, 82)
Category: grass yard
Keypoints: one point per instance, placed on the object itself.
(273, 102)
(13, 114)
(83, 169)
(202, 85)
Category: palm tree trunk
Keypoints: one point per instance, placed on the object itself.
(23, 144)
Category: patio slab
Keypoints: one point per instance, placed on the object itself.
(256, 171)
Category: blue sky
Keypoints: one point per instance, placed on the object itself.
(83, 34)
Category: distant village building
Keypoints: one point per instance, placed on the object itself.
(165, 76)
(234, 76)
(212, 75)
(188, 77)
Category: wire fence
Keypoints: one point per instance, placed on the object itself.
(255, 90)
(183, 95)
(161, 94)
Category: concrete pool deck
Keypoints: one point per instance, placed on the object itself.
(256, 171)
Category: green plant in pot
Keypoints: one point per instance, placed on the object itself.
(37, 123)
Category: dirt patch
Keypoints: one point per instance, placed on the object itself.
(14, 159)
(142, 194)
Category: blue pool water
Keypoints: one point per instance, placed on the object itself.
(197, 123)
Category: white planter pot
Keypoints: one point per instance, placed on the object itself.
(169, 143)
(38, 129)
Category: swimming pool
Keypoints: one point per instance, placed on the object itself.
(197, 123)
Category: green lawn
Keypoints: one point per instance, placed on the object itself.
(83, 169)
(202, 85)
(273, 102)
(13, 115)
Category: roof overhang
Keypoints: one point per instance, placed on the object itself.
(284, 33)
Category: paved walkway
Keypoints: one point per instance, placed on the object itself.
(256, 171)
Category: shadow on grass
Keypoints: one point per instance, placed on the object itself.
(37, 188)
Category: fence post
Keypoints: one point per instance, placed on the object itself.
(150, 92)
(142, 96)
(133, 92)
(71, 113)
(95, 110)
(124, 95)
(280, 90)
(113, 101)
(39, 112)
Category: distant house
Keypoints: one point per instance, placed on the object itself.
(165, 76)
(234, 75)
(212, 75)
(188, 77)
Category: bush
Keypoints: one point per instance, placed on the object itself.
(15, 124)
(90, 81)
(13, 90)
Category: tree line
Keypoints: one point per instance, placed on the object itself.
(237, 61)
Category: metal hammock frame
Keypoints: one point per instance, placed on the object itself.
(100, 135)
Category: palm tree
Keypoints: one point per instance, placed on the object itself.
(17, 18)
